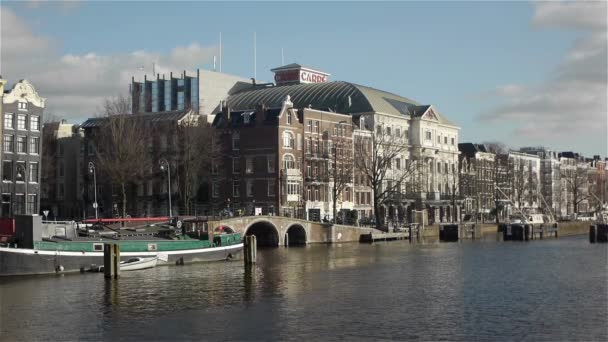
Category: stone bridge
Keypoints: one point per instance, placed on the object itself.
(287, 231)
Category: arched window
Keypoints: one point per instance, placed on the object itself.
(287, 140)
(289, 162)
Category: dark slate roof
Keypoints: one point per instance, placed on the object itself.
(469, 149)
(151, 117)
(325, 96)
(237, 117)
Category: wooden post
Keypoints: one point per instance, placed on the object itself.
(250, 249)
(286, 240)
(111, 260)
(592, 234)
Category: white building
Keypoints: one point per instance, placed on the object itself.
(524, 177)
(550, 180)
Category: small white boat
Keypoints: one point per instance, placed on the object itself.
(138, 263)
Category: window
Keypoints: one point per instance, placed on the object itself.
(249, 188)
(398, 163)
(316, 147)
(438, 139)
(21, 144)
(289, 162)
(31, 203)
(388, 131)
(20, 176)
(316, 126)
(289, 118)
(293, 188)
(438, 167)
(248, 165)
(33, 172)
(8, 143)
(270, 163)
(236, 165)
(215, 190)
(309, 126)
(8, 120)
(7, 170)
(236, 188)
(427, 135)
(287, 140)
(452, 141)
(447, 168)
(247, 117)
(236, 141)
(22, 106)
(34, 145)
(21, 119)
(317, 197)
(271, 188)
(398, 133)
(308, 194)
(445, 140)
(34, 123)
(379, 130)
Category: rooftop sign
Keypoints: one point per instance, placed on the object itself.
(297, 74)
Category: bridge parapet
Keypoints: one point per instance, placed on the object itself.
(287, 228)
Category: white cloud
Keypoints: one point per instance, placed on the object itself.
(75, 85)
(569, 109)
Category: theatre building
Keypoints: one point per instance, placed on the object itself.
(281, 140)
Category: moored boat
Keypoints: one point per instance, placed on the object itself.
(71, 247)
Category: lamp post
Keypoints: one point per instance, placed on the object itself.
(22, 173)
(92, 171)
(164, 164)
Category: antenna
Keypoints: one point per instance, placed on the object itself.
(153, 69)
(255, 62)
(221, 51)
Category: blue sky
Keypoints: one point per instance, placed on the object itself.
(485, 65)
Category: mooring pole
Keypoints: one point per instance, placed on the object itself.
(111, 260)
(250, 249)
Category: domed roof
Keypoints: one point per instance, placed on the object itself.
(342, 97)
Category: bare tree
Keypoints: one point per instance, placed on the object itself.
(576, 184)
(122, 149)
(519, 183)
(341, 172)
(501, 174)
(381, 159)
(196, 152)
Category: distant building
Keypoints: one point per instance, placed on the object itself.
(200, 91)
(574, 183)
(524, 177)
(477, 177)
(22, 115)
(550, 179)
(61, 178)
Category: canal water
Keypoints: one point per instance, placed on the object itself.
(550, 290)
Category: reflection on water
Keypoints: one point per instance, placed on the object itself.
(541, 290)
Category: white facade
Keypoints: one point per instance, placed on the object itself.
(524, 174)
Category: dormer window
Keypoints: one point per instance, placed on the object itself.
(289, 118)
(22, 106)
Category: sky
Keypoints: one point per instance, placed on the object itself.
(521, 73)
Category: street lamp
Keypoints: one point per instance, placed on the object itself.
(22, 173)
(92, 171)
(164, 165)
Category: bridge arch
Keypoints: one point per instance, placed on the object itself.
(295, 235)
(266, 233)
